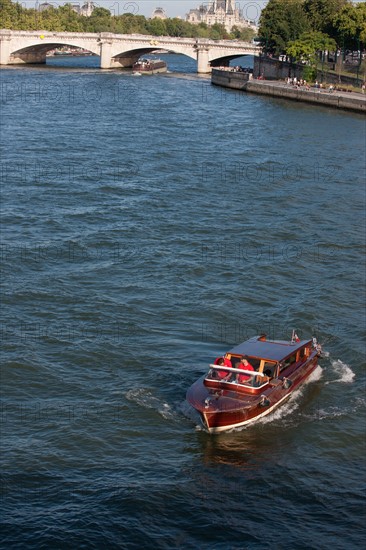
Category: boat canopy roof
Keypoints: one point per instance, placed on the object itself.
(271, 350)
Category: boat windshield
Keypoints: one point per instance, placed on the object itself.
(269, 369)
(232, 375)
(237, 374)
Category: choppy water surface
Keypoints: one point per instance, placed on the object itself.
(148, 225)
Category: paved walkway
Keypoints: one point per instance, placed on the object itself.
(350, 101)
(323, 91)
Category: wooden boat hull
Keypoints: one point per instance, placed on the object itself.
(224, 406)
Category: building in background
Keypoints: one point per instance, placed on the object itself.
(158, 13)
(86, 9)
(45, 6)
(223, 12)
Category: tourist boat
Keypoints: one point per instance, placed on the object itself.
(149, 66)
(226, 401)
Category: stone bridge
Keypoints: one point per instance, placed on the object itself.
(118, 50)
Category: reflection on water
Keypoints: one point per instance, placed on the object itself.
(246, 450)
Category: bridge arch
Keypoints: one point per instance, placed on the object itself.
(225, 60)
(36, 52)
(126, 57)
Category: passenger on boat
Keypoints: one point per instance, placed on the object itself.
(245, 365)
(225, 361)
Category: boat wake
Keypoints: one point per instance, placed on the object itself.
(145, 398)
(294, 401)
(172, 412)
(343, 371)
(315, 376)
(286, 410)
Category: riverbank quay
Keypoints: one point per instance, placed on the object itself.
(236, 80)
(279, 69)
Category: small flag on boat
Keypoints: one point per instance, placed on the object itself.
(295, 337)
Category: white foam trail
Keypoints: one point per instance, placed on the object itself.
(315, 375)
(343, 371)
(294, 401)
(145, 398)
(283, 410)
(332, 412)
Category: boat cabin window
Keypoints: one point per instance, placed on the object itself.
(235, 361)
(269, 369)
(254, 362)
(287, 362)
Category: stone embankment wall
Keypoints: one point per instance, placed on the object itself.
(230, 79)
(352, 102)
(273, 69)
(242, 81)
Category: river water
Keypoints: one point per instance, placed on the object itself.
(148, 225)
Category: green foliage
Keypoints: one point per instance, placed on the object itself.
(321, 14)
(306, 47)
(69, 19)
(100, 12)
(218, 31)
(156, 27)
(177, 27)
(309, 73)
(242, 34)
(351, 24)
(282, 21)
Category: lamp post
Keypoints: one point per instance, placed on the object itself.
(340, 60)
(359, 58)
(262, 54)
(262, 75)
(261, 38)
